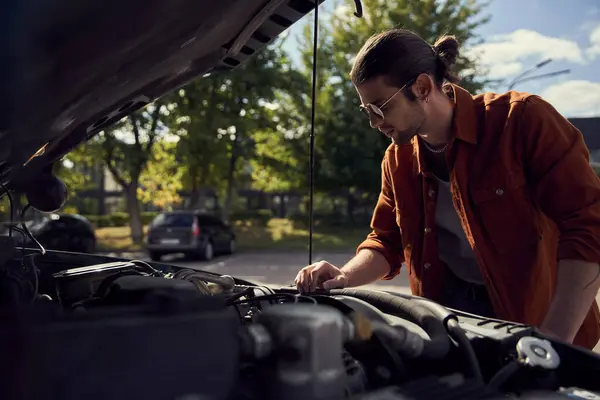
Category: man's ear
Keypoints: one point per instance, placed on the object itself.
(423, 87)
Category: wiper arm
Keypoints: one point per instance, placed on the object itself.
(359, 9)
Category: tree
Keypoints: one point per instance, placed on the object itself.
(73, 168)
(218, 116)
(348, 151)
(162, 179)
(196, 119)
(127, 148)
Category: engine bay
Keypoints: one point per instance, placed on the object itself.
(130, 329)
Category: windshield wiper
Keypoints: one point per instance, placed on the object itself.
(359, 9)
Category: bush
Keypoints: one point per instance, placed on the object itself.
(330, 220)
(258, 216)
(92, 218)
(148, 216)
(109, 220)
(118, 219)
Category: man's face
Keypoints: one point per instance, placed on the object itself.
(402, 118)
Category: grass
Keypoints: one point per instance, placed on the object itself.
(278, 235)
(116, 239)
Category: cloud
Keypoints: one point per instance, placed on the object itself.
(575, 98)
(594, 50)
(503, 54)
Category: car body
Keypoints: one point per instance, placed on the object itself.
(71, 69)
(193, 233)
(59, 231)
(65, 232)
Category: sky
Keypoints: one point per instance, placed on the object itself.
(522, 33)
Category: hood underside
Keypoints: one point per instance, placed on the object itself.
(71, 68)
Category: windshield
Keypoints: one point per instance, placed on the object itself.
(173, 220)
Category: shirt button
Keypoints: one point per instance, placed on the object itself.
(427, 230)
(426, 265)
(499, 192)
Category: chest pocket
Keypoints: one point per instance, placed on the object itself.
(506, 212)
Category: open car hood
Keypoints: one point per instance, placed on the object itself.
(71, 68)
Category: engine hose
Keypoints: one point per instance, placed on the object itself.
(438, 310)
(402, 340)
(461, 338)
(439, 344)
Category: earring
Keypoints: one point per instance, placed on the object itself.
(427, 99)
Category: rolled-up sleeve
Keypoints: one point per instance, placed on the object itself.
(566, 186)
(385, 236)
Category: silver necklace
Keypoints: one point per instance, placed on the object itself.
(443, 149)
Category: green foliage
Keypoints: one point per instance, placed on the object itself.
(161, 180)
(127, 147)
(118, 219)
(225, 119)
(256, 216)
(348, 151)
(74, 170)
(249, 128)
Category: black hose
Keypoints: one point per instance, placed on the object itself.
(504, 374)
(463, 341)
(439, 344)
(401, 339)
(438, 310)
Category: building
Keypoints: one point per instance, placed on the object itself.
(590, 129)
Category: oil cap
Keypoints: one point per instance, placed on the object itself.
(535, 352)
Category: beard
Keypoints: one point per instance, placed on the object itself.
(405, 136)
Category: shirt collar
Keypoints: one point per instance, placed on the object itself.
(464, 123)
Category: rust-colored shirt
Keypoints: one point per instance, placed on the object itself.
(525, 194)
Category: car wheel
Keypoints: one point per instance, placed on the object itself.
(231, 247)
(208, 252)
(155, 256)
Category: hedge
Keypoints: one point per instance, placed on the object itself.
(259, 216)
(122, 218)
(118, 219)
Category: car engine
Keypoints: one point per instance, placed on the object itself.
(129, 329)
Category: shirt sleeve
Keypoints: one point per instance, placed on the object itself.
(385, 236)
(565, 184)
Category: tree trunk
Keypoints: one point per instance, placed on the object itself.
(230, 182)
(135, 218)
(195, 194)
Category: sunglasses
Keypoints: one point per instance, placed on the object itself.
(371, 110)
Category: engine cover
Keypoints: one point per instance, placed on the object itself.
(149, 352)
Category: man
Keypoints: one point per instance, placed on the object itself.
(489, 201)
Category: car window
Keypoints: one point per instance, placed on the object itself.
(173, 220)
(205, 220)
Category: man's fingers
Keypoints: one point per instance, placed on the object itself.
(301, 279)
(298, 281)
(312, 276)
(320, 273)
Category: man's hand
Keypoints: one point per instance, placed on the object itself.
(320, 275)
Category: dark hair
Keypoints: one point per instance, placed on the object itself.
(401, 55)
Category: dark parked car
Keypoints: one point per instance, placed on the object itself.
(190, 232)
(64, 232)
